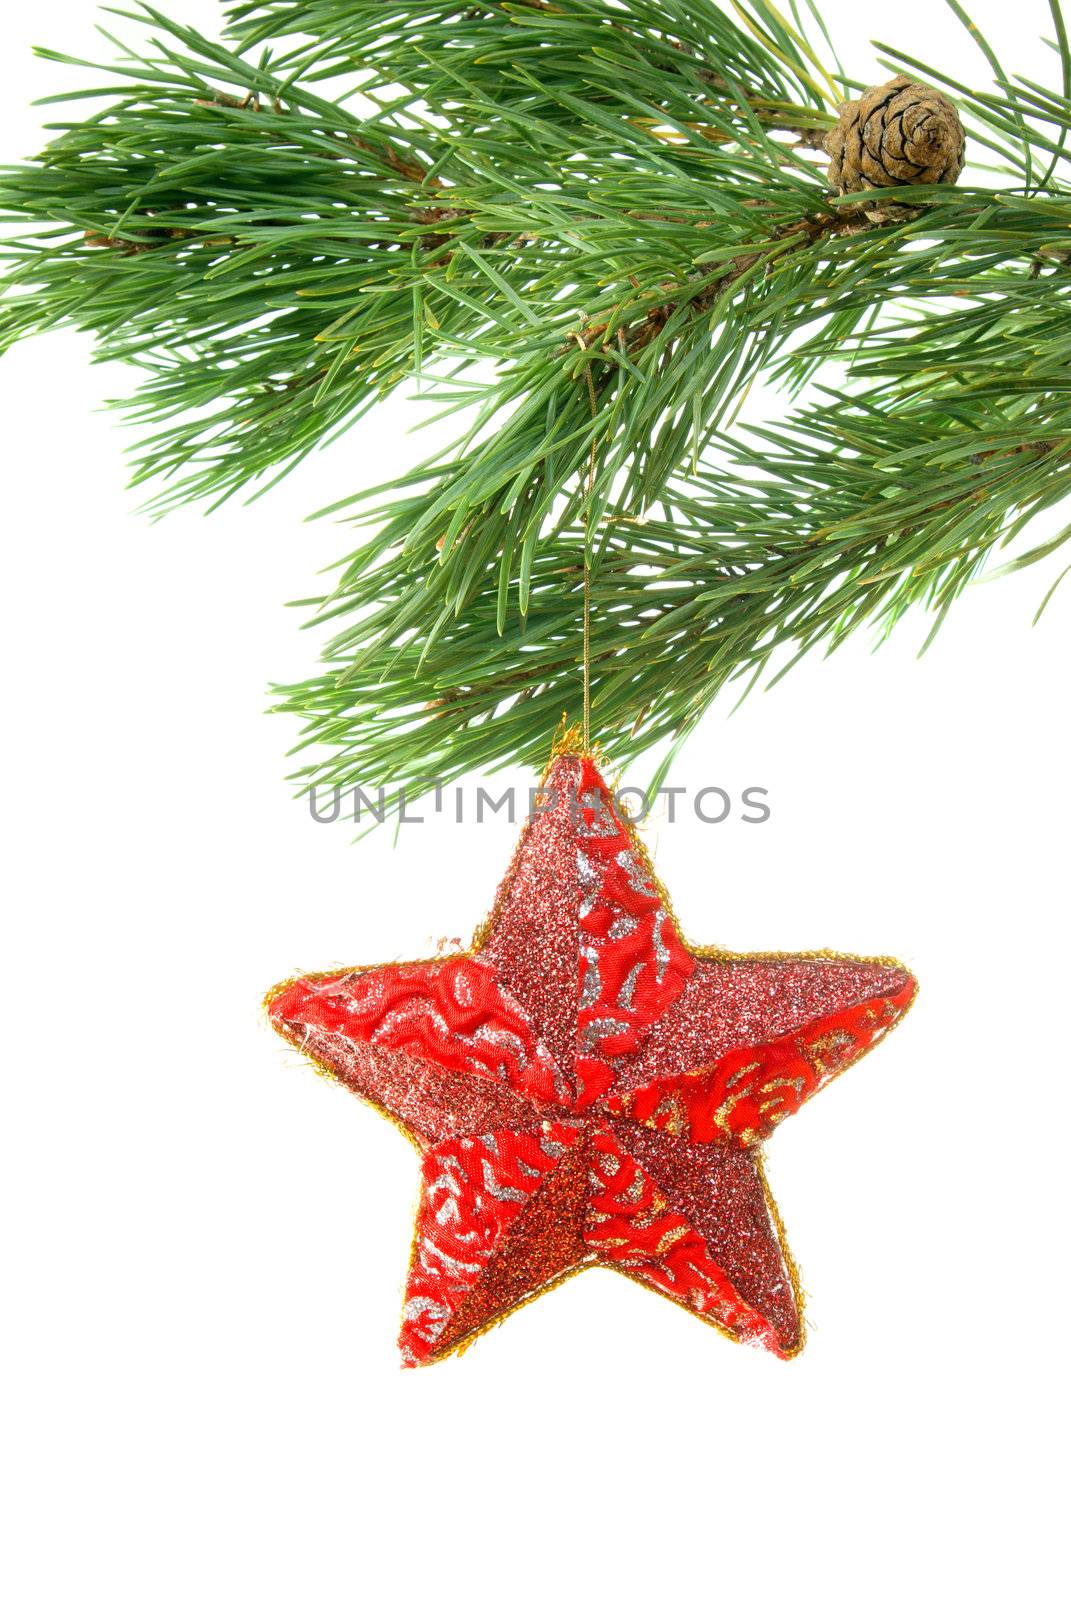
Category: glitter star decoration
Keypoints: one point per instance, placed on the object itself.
(584, 1088)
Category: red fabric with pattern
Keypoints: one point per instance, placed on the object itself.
(742, 1095)
(474, 1190)
(633, 965)
(586, 1090)
(631, 1225)
(453, 1014)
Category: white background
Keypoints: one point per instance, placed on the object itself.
(205, 1243)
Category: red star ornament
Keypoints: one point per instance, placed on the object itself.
(586, 1089)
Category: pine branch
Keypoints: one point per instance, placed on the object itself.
(742, 574)
(247, 244)
(544, 206)
(535, 53)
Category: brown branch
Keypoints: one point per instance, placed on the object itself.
(251, 102)
(158, 238)
(804, 233)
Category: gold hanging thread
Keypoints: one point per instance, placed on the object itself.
(592, 470)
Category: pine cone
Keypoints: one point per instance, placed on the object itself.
(900, 132)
